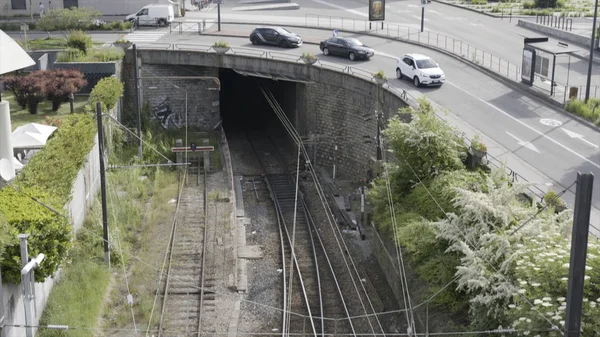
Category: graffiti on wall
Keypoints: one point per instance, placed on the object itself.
(164, 114)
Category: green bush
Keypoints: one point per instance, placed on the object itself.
(68, 19)
(589, 111)
(15, 26)
(547, 3)
(79, 40)
(107, 90)
(528, 5)
(105, 55)
(71, 55)
(479, 2)
(49, 178)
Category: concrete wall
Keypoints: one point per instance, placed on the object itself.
(106, 7)
(557, 33)
(331, 103)
(168, 96)
(85, 188)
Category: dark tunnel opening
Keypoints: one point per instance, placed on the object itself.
(244, 107)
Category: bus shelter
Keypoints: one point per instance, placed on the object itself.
(539, 62)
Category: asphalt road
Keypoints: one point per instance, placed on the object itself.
(502, 38)
(517, 123)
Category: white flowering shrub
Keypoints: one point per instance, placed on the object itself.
(512, 263)
(541, 272)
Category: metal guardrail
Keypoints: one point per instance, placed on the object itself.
(346, 69)
(561, 22)
(447, 43)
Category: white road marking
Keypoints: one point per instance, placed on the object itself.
(342, 8)
(435, 12)
(550, 122)
(525, 124)
(578, 136)
(522, 143)
(419, 18)
(140, 36)
(475, 24)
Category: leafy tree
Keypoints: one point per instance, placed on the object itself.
(107, 90)
(16, 84)
(424, 147)
(68, 19)
(35, 86)
(61, 83)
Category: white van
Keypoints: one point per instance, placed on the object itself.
(153, 15)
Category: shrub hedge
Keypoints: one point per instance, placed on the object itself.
(589, 111)
(49, 178)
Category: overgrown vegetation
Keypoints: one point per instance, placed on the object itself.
(79, 40)
(93, 55)
(107, 91)
(48, 177)
(589, 111)
(463, 228)
(76, 18)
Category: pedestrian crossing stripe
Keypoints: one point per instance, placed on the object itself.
(144, 36)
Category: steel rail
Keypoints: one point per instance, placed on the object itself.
(335, 279)
(205, 235)
(170, 255)
(281, 223)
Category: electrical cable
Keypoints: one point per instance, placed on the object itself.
(296, 137)
(555, 198)
(117, 235)
(455, 333)
(468, 241)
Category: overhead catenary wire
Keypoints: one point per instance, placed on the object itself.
(298, 140)
(116, 224)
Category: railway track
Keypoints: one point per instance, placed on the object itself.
(186, 293)
(316, 293)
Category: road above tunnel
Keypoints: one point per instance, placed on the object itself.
(541, 143)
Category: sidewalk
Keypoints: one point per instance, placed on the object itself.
(525, 173)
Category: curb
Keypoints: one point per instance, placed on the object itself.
(481, 12)
(91, 32)
(522, 88)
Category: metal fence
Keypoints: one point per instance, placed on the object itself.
(367, 75)
(433, 39)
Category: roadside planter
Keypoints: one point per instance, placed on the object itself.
(308, 58)
(478, 150)
(380, 78)
(221, 47)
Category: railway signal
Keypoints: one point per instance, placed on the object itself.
(192, 148)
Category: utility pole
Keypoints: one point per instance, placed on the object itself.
(422, 17)
(218, 16)
(591, 59)
(579, 243)
(1, 305)
(103, 184)
(137, 99)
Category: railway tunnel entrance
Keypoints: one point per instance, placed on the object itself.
(244, 106)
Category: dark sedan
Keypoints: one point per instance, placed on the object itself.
(275, 36)
(347, 47)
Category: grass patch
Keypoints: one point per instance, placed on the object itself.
(47, 43)
(589, 111)
(22, 116)
(93, 55)
(76, 300)
(148, 239)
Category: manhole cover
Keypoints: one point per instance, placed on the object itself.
(550, 122)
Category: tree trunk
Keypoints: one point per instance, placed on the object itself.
(56, 102)
(32, 104)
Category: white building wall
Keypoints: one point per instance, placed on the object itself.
(106, 7)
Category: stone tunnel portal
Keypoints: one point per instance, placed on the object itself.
(245, 108)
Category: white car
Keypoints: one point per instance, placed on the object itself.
(152, 15)
(422, 70)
